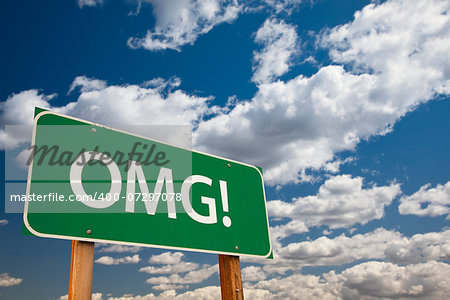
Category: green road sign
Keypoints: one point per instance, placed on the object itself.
(93, 183)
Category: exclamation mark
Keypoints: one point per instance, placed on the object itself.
(224, 193)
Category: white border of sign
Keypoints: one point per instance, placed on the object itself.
(30, 168)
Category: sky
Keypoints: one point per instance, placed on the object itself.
(344, 104)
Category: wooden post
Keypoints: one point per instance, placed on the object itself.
(81, 268)
(230, 277)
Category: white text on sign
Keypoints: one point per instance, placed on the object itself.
(165, 178)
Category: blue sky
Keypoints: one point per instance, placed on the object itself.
(344, 105)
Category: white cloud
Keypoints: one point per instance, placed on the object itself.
(165, 287)
(280, 45)
(161, 83)
(279, 232)
(283, 6)
(95, 296)
(326, 232)
(191, 277)
(257, 294)
(3, 222)
(380, 244)
(119, 249)
(18, 109)
(166, 258)
(21, 160)
(138, 105)
(180, 267)
(377, 279)
(341, 249)
(298, 285)
(7, 280)
(173, 265)
(181, 22)
(87, 84)
(108, 260)
(414, 35)
(148, 104)
(396, 52)
(370, 280)
(91, 3)
(204, 293)
(427, 201)
(419, 248)
(290, 127)
(253, 273)
(340, 202)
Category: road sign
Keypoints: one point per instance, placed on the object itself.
(94, 183)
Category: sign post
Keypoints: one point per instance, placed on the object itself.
(230, 277)
(81, 269)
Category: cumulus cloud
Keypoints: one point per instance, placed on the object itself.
(87, 84)
(166, 258)
(381, 244)
(369, 280)
(180, 267)
(155, 103)
(118, 248)
(395, 58)
(290, 127)
(419, 248)
(137, 104)
(95, 296)
(18, 109)
(377, 279)
(253, 273)
(341, 201)
(173, 266)
(181, 22)
(283, 6)
(108, 260)
(341, 249)
(428, 201)
(413, 35)
(165, 287)
(7, 280)
(91, 3)
(3, 222)
(195, 276)
(366, 281)
(205, 293)
(279, 232)
(308, 286)
(279, 42)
